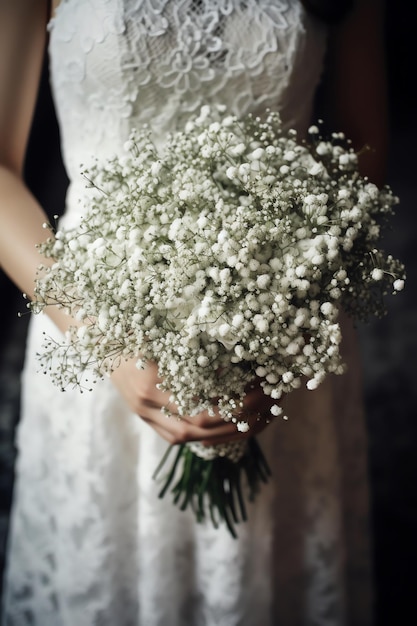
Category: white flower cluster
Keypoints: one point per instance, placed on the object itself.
(224, 257)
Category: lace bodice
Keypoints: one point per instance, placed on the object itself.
(119, 64)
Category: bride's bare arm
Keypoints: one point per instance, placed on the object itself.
(22, 44)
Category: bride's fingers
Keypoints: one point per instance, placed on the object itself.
(256, 424)
(212, 429)
(177, 430)
(205, 421)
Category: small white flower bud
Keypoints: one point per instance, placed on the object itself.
(377, 274)
(231, 172)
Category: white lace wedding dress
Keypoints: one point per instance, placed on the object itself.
(90, 542)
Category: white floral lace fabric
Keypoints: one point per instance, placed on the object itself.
(90, 542)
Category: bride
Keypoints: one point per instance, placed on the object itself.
(89, 540)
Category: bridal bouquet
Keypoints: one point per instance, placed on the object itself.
(224, 257)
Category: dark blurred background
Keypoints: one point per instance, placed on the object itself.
(389, 346)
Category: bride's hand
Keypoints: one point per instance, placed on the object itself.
(139, 389)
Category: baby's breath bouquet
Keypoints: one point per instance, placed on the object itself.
(225, 257)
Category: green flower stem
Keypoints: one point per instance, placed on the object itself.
(213, 488)
(173, 469)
